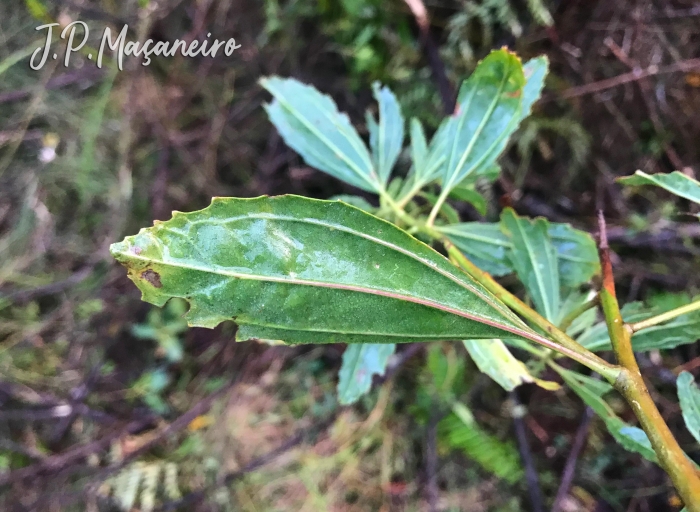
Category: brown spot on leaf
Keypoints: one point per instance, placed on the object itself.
(152, 277)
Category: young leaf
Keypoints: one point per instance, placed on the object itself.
(483, 243)
(534, 72)
(309, 122)
(419, 147)
(386, 137)
(428, 161)
(535, 260)
(494, 359)
(591, 392)
(577, 254)
(307, 271)
(489, 103)
(360, 363)
(689, 397)
(676, 182)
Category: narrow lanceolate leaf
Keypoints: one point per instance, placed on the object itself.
(490, 103)
(681, 330)
(494, 359)
(360, 363)
(591, 392)
(535, 260)
(386, 139)
(428, 160)
(676, 182)
(689, 397)
(307, 271)
(483, 243)
(419, 151)
(309, 122)
(487, 246)
(534, 72)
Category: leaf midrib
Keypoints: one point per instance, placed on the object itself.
(309, 126)
(338, 286)
(480, 128)
(538, 275)
(342, 228)
(377, 291)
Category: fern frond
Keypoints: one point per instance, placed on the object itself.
(540, 12)
(493, 455)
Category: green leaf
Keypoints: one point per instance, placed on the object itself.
(534, 258)
(446, 210)
(681, 330)
(488, 247)
(490, 102)
(428, 161)
(591, 392)
(585, 320)
(386, 138)
(577, 254)
(307, 271)
(309, 122)
(596, 338)
(360, 363)
(535, 71)
(460, 431)
(676, 182)
(483, 243)
(471, 196)
(494, 359)
(419, 147)
(689, 397)
(356, 201)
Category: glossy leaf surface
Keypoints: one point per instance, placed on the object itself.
(307, 271)
(489, 105)
(309, 123)
(534, 258)
(386, 138)
(360, 363)
(676, 182)
(494, 359)
(689, 397)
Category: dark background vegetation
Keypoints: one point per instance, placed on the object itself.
(96, 385)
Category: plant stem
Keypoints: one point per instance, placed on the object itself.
(562, 342)
(664, 317)
(577, 312)
(631, 385)
(438, 204)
